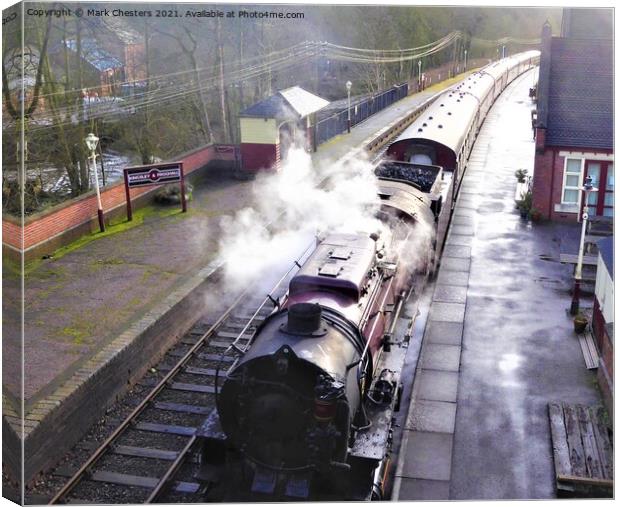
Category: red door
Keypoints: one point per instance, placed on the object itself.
(601, 203)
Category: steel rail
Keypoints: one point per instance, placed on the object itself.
(160, 488)
(103, 448)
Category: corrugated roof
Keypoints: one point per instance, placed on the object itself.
(606, 250)
(580, 101)
(290, 104)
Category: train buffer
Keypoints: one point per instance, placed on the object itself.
(582, 452)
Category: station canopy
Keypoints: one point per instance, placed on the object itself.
(292, 103)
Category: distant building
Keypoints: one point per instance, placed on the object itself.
(574, 126)
(603, 318)
(114, 54)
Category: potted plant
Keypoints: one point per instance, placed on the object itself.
(521, 175)
(525, 205)
(580, 322)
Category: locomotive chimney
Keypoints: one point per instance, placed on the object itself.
(304, 318)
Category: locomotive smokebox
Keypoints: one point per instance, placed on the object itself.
(304, 318)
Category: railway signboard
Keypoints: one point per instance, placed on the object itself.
(154, 174)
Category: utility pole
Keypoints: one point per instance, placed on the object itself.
(222, 86)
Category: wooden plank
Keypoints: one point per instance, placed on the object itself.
(238, 326)
(181, 407)
(592, 346)
(218, 344)
(573, 437)
(561, 455)
(590, 481)
(203, 356)
(195, 388)
(572, 259)
(144, 452)
(234, 335)
(124, 479)
(208, 372)
(216, 357)
(185, 431)
(139, 481)
(591, 457)
(186, 487)
(602, 442)
(189, 340)
(591, 361)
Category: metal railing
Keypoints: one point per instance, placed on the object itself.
(337, 123)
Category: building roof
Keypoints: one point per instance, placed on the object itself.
(587, 23)
(94, 54)
(290, 104)
(606, 251)
(580, 97)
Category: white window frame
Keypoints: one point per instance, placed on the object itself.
(565, 187)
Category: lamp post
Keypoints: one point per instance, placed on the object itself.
(91, 141)
(419, 74)
(465, 66)
(349, 84)
(587, 188)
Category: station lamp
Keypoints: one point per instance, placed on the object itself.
(91, 141)
(586, 189)
(349, 84)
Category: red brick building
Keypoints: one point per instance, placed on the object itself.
(574, 127)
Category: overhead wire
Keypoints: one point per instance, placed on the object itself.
(165, 87)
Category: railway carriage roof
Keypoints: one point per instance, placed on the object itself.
(443, 121)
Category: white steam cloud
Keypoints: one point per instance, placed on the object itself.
(291, 207)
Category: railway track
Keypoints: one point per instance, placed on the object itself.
(150, 457)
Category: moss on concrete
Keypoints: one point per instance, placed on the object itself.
(114, 227)
(77, 335)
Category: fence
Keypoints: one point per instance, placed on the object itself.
(337, 123)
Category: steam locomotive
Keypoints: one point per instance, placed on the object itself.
(306, 412)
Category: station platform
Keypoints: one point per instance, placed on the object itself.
(96, 312)
(498, 344)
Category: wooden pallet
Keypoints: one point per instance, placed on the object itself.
(582, 451)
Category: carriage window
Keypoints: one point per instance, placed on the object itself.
(572, 180)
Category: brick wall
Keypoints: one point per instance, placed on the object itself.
(605, 373)
(42, 227)
(548, 180)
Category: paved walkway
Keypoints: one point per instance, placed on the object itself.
(498, 345)
(78, 304)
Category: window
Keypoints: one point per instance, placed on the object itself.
(608, 204)
(572, 181)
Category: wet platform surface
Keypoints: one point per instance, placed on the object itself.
(499, 345)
